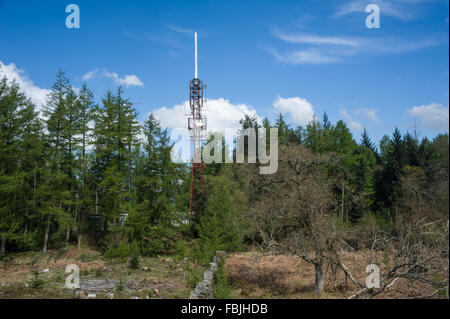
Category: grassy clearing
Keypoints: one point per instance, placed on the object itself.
(25, 275)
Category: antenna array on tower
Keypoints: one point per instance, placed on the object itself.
(197, 129)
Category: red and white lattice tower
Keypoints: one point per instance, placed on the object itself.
(197, 129)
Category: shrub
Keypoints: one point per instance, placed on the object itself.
(36, 282)
(134, 262)
(193, 276)
(181, 249)
(218, 226)
(222, 285)
(86, 257)
(123, 251)
(121, 285)
(6, 260)
(158, 240)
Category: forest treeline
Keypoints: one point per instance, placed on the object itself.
(80, 168)
(82, 173)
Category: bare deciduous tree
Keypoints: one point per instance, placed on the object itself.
(294, 213)
(420, 253)
(418, 242)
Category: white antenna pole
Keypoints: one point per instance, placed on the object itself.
(195, 35)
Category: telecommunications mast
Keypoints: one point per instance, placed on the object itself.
(197, 129)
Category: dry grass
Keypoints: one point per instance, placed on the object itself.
(253, 276)
(285, 276)
(165, 274)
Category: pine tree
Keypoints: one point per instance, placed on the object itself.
(314, 137)
(411, 149)
(367, 142)
(30, 164)
(283, 130)
(387, 181)
(156, 184)
(362, 171)
(218, 227)
(60, 116)
(116, 147)
(18, 121)
(248, 122)
(341, 139)
(266, 127)
(85, 105)
(326, 123)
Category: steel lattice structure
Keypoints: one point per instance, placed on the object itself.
(197, 129)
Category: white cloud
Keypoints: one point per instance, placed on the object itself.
(127, 80)
(319, 49)
(370, 114)
(303, 57)
(299, 110)
(180, 30)
(354, 125)
(304, 20)
(36, 94)
(433, 116)
(315, 39)
(221, 114)
(90, 74)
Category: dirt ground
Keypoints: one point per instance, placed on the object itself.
(162, 277)
(254, 275)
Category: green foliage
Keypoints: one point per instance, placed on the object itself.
(85, 165)
(36, 282)
(86, 257)
(159, 187)
(21, 145)
(222, 285)
(219, 227)
(153, 247)
(157, 240)
(193, 276)
(57, 254)
(181, 248)
(134, 262)
(372, 222)
(98, 272)
(122, 251)
(121, 285)
(6, 261)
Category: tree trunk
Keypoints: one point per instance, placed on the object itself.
(26, 221)
(67, 234)
(319, 277)
(3, 249)
(342, 203)
(47, 231)
(96, 202)
(68, 228)
(80, 224)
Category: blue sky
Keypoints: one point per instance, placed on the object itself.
(258, 57)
